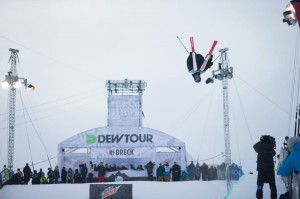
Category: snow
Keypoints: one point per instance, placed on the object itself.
(243, 189)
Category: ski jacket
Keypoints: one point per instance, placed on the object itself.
(292, 162)
(101, 170)
(83, 170)
(26, 170)
(160, 171)
(191, 169)
(149, 166)
(176, 170)
(265, 153)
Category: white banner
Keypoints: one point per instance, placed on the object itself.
(121, 152)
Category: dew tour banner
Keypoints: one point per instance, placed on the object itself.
(120, 145)
(110, 191)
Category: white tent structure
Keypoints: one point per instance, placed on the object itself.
(124, 140)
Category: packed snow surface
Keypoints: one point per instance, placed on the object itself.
(243, 189)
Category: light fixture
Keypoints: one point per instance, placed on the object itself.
(17, 84)
(5, 84)
(290, 15)
(30, 87)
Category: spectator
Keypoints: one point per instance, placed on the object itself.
(35, 178)
(198, 172)
(56, 174)
(191, 169)
(91, 172)
(43, 179)
(83, 172)
(149, 167)
(101, 172)
(167, 173)
(210, 173)
(64, 174)
(160, 173)
(265, 150)
(176, 172)
(106, 168)
(139, 168)
(286, 139)
(77, 177)
(292, 162)
(114, 167)
(27, 173)
(70, 176)
(132, 167)
(185, 175)
(6, 174)
(50, 176)
(18, 177)
(204, 169)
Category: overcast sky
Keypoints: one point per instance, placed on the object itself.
(69, 48)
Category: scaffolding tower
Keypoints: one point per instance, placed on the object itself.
(223, 74)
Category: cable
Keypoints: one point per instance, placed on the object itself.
(267, 98)
(216, 131)
(35, 130)
(193, 109)
(59, 105)
(235, 130)
(295, 65)
(245, 118)
(48, 57)
(293, 84)
(205, 124)
(29, 146)
(62, 99)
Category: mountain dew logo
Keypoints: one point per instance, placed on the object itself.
(91, 139)
(109, 191)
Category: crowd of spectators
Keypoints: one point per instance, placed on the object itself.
(87, 173)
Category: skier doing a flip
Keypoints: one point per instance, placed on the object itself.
(196, 63)
(199, 61)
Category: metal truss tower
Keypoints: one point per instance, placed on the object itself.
(223, 74)
(13, 82)
(12, 107)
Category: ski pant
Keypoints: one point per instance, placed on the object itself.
(266, 177)
(100, 178)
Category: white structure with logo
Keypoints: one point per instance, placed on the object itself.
(124, 140)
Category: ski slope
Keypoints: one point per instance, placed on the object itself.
(242, 189)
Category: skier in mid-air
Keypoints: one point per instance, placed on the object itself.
(199, 61)
(196, 63)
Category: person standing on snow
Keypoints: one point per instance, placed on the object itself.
(191, 169)
(64, 174)
(149, 166)
(56, 174)
(265, 150)
(27, 173)
(176, 172)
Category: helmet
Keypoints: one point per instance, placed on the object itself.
(197, 79)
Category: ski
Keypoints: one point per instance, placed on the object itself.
(193, 54)
(202, 68)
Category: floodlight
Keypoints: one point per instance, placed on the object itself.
(17, 84)
(5, 84)
(229, 75)
(290, 15)
(30, 87)
(219, 76)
